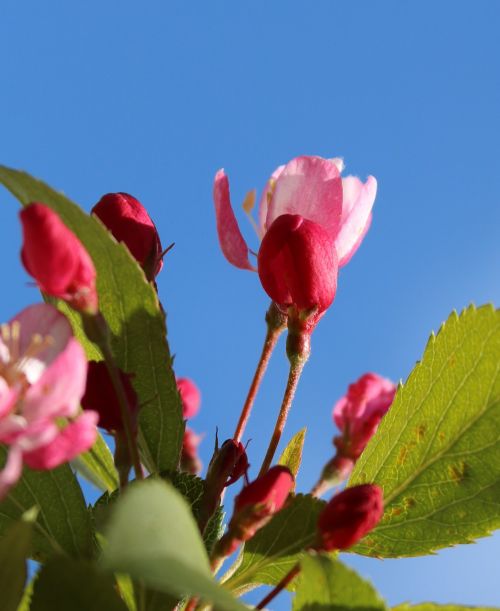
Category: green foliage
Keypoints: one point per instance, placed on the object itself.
(435, 607)
(63, 522)
(292, 454)
(437, 451)
(277, 547)
(97, 466)
(132, 310)
(153, 537)
(325, 584)
(65, 584)
(14, 549)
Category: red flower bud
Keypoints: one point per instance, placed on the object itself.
(349, 516)
(127, 219)
(190, 461)
(190, 397)
(298, 264)
(101, 397)
(267, 494)
(56, 259)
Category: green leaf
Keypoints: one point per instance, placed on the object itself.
(153, 537)
(126, 589)
(292, 454)
(63, 522)
(97, 465)
(436, 453)
(131, 307)
(277, 547)
(65, 584)
(436, 607)
(14, 549)
(325, 584)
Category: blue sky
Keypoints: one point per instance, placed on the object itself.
(152, 98)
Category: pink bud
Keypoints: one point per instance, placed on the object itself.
(349, 516)
(56, 259)
(359, 412)
(267, 494)
(128, 221)
(100, 396)
(297, 264)
(190, 397)
(190, 461)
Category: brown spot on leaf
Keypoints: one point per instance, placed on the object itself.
(458, 472)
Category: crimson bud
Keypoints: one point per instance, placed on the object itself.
(100, 396)
(297, 265)
(349, 516)
(128, 221)
(255, 506)
(56, 258)
(190, 461)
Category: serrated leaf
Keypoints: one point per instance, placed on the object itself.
(131, 308)
(325, 584)
(65, 584)
(153, 537)
(277, 547)
(14, 549)
(436, 607)
(63, 522)
(97, 465)
(292, 454)
(436, 453)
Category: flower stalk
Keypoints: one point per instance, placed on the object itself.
(276, 323)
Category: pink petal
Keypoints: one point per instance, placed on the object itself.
(76, 438)
(44, 320)
(11, 472)
(58, 392)
(231, 241)
(311, 187)
(266, 197)
(8, 397)
(356, 215)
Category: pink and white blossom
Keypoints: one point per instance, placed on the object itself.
(310, 187)
(43, 371)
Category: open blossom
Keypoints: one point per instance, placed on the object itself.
(190, 397)
(128, 221)
(310, 187)
(56, 259)
(349, 516)
(42, 379)
(359, 412)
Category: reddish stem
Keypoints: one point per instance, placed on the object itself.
(281, 585)
(276, 322)
(291, 386)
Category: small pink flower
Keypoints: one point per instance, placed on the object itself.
(310, 187)
(42, 379)
(128, 221)
(190, 397)
(349, 516)
(56, 259)
(358, 414)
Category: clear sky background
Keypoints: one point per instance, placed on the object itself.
(153, 97)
